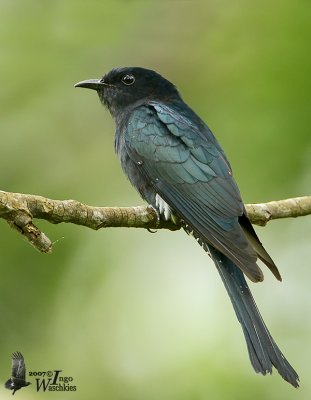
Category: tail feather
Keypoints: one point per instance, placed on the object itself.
(263, 351)
(257, 245)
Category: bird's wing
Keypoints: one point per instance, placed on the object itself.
(18, 366)
(189, 170)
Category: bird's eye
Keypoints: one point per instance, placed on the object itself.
(128, 79)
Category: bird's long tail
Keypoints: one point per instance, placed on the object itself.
(263, 351)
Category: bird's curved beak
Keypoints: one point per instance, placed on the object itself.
(94, 84)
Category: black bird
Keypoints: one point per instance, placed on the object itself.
(17, 381)
(174, 161)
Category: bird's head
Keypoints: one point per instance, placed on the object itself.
(124, 87)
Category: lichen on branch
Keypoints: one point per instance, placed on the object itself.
(19, 210)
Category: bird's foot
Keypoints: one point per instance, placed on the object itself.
(158, 215)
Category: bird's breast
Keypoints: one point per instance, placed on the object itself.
(133, 170)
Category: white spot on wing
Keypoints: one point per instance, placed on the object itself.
(163, 207)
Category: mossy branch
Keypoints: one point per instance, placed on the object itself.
(19, 210)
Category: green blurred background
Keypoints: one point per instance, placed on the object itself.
(131, 315)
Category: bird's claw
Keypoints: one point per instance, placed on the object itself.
(152, 230)
(157, 214)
